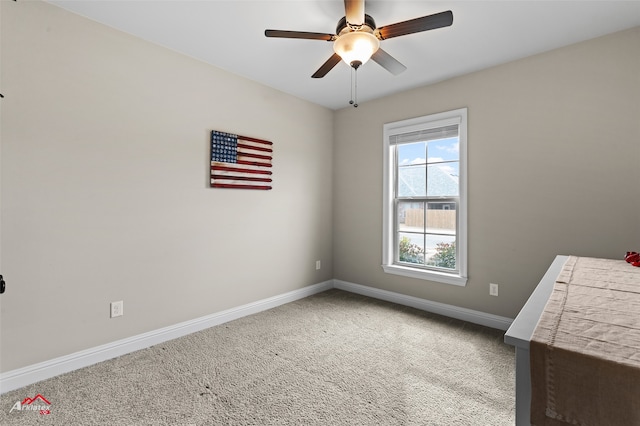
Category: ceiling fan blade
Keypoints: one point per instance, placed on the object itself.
(299, 34)
(354, 11)
(388, 62)
(327, 66)
(425, 23)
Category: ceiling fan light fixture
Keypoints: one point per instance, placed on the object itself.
(356, 47)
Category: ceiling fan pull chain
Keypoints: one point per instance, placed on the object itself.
(351, 86)
(355, 88)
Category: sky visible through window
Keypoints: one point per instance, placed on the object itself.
(439, 150)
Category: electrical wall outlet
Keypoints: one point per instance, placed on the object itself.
(117, 309)
(493, 289)
(317, 265)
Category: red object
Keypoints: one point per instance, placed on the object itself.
(633, 258)
(222, 185)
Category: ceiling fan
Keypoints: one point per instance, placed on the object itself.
(357, 38)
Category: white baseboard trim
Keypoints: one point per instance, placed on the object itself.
(28, 375)
(25, 376)
(469, 315)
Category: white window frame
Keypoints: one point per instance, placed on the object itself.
(458, 116)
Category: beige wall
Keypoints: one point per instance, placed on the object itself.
(554, 168)
(105, 187)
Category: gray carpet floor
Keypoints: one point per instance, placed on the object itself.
(334, 358)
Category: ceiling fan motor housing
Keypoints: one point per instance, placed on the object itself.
(342, 24)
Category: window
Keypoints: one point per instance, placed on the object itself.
(425, 199)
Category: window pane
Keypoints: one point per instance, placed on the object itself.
(412, 181)
(443, 150)
(411, 216)
(441, 251)
(442, 179)
(411, 248)
(412, 153)
(441, 217)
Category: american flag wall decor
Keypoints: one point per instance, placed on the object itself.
(240, 162)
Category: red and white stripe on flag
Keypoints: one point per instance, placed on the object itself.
(240, 162)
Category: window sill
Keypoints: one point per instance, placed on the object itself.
(440, 277)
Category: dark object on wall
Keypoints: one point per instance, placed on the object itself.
(240, 162)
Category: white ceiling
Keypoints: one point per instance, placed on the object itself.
(230, 35)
